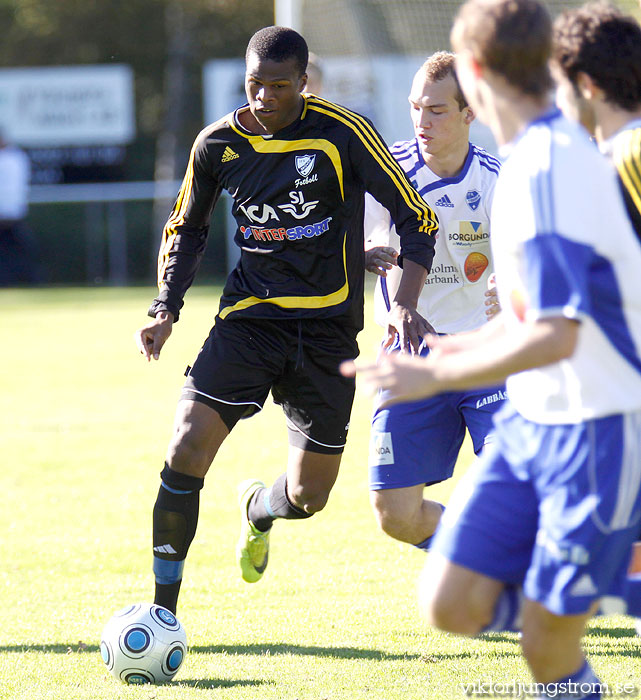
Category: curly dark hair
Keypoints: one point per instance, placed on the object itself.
(597, 39)
(279, 44)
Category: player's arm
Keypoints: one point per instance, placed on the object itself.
(415, 224)
(379, 255)
(492, 304)
(403, 318)
(181, 250)
(482, 358)
(151, 337)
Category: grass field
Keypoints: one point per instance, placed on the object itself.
(85, 423)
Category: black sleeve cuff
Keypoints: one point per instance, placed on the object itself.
(158, 305)
(424, 258)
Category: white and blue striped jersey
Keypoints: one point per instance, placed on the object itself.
(453, 297)
(563, 246)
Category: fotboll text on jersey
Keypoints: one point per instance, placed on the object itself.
(306, 181)
(295, 233)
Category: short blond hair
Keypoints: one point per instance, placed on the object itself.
(439, 66)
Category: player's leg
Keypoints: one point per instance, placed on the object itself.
(311, 476)
(552, 646)
(483, 547)
(590, 495)
(227, 382)
(295, 495)
(198, 433)
(406, 515)
(457, 599)
(412, 445)
(317, 402)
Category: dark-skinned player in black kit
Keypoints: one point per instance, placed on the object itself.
(297, 167)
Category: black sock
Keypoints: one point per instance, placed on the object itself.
(268, 504)
(174, 527)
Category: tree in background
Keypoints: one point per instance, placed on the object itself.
(142, 34)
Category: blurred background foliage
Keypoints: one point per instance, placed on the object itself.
(151, 36)
(166, 43)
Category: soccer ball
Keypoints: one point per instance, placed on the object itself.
(143, 643)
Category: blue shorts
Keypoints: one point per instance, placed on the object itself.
(419, 442)
(553, 507)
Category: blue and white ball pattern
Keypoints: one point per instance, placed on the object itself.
(143, 643)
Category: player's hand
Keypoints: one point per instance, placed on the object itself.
(410, 326)
(380, 259)
(150, 338)
(401, 377)
(492, 298)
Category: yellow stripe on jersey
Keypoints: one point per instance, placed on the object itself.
(177, 216)
(627, 158)
(312, 302)
(262, 145)
(374, 145)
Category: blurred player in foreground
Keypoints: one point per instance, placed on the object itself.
(597, 67)
(416, 444)
(297, 167)
(540, 528)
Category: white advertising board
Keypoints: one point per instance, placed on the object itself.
(67, 105)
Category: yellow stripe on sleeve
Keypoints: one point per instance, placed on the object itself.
(383, 157)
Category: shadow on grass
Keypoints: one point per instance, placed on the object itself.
(614, 641)
(49, 648)
(212, 683)
(298, 650)
(231, 649)
(616, 632)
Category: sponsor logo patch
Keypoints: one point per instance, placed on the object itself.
(381, 449)
(469, 233)
(475, 266)
(296, 233)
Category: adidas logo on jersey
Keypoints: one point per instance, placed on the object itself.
(228, 155)
(444, 201)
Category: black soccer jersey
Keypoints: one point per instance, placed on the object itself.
(627, 158)
(298, 203)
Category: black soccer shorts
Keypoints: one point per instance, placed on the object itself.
(298, 360)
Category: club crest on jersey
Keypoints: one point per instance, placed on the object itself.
(473, 199)
(305, 164)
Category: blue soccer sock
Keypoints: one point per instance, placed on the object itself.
(581, 685)
(507, 612)
(633, 595)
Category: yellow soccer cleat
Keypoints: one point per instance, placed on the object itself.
(252, 550)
